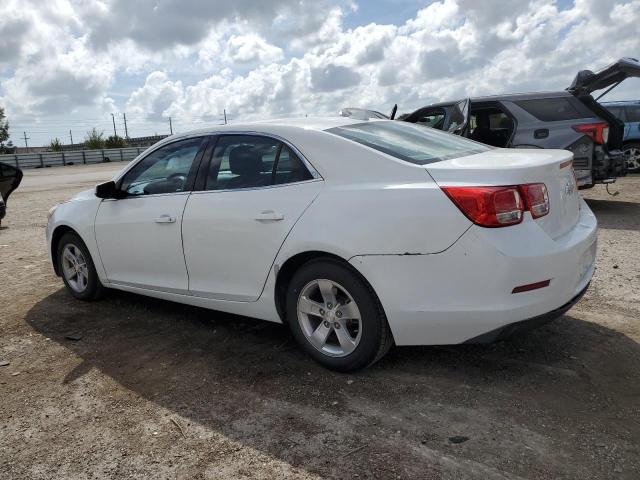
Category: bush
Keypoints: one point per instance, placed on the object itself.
(55, 145)
(93, 139)
(115, 141)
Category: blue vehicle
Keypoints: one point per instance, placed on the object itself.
(629, 113)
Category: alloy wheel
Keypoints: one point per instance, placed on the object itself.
(632, 155)
(329, 318)
(74, 268)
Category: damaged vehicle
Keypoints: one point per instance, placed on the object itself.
(10, 178)
(356, 234)
(571, 120)
(629, 113)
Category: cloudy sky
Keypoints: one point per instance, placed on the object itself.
(69, 64)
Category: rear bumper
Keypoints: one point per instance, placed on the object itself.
(466, 291)
(607, 166)
(523, 326)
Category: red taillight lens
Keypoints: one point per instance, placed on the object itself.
(500, 206)
(488, 206)
(599, 132)
(536, 198)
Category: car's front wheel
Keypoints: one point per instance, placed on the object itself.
(77, 268)
(336, 317)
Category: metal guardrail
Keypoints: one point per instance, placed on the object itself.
(50, 159)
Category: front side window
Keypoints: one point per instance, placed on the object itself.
(409, 142)
(432, 118)
(251, 161)
(165, 170)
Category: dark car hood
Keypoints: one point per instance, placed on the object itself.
(587, 81)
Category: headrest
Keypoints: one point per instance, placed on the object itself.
(245, 160)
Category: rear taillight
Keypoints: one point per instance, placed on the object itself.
(500, 206)
(488, 206)
(598, 132)
(536, 198)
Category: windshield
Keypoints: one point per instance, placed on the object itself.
(409, 142)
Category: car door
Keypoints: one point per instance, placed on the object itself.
(256, 188)
(458, 118)
(139, 235)
(632, 123)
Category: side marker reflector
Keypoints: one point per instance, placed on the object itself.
(531, 286)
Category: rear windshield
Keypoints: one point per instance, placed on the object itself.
(556, 109)
(409, 142)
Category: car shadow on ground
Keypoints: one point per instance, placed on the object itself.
(247, 380)
(615, 214)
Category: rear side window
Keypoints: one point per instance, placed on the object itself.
(249, 161)
(633, 114)
(555, 109)
(409, 142)
(617, 112)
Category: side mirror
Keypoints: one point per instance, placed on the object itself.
(108, 190)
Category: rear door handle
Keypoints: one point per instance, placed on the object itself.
(165, 219)
(269, 216)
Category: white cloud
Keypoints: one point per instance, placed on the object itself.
(256, 59)
(251, 48)
(156, 96)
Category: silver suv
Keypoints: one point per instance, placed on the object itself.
(570, 119)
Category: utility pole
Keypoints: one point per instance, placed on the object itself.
(71, 135)
(126, 132)
(113, 118)
(26, 145)
(225, 116)
(170, 126)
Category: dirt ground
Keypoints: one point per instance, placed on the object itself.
(132, 387)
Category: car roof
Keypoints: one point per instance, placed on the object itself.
(306, 123)
(507, 96)
(621, 102)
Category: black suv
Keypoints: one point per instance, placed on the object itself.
(570, 119)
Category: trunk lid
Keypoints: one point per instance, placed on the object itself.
(587, 82)
(504, 167)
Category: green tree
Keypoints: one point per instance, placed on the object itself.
(56, 145)
(93, 139)
(115, 141)
(4, 131)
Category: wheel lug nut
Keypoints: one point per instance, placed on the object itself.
(338, 314)
(336, 325)
(321, 311)
(329, 305)
(327, 324)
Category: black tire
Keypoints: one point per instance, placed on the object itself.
(94, 288)
(627, 148)
(375, 339)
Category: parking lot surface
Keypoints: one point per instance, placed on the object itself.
(135, 387)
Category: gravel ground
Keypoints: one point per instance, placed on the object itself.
(135, 387)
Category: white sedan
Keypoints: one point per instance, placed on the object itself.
(356, 234)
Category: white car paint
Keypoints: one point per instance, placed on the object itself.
(440, 278)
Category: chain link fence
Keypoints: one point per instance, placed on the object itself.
(51, 159)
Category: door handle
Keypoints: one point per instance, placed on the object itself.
(269, 216)
(165, 219)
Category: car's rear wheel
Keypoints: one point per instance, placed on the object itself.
(632, 154)
(77, 268)
(336, 317)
